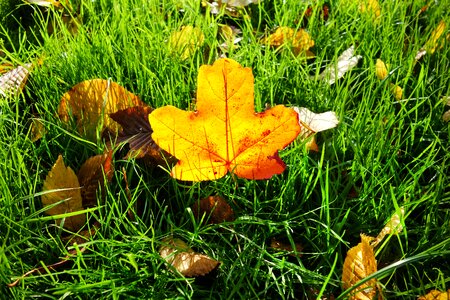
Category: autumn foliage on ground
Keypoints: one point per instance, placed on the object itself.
(236, 149)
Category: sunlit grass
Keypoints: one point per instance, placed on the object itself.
(385, 154)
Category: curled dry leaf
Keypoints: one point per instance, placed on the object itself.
(436, 295)
(185, 260)
(299, 40)
(359, 263)
(61, 186)
(215, 208)
(393, 226)
(136, 131)
(345, 62)
(224, 134)
(91, 101)
(92, 175)
(13, 81)
(186, 41)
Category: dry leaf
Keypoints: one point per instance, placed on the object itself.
(432, 43)
(224, 134)
(92, 175)
(345, 62)
(446, 115)
(184, 260)
(45, 3)
(186, 41)
(380, 69)
(359, 263)
(230, 7)
(310, 122)
(91, 101)
(37, 130)
(13, 81)
(61, 185)
(436, 295)
(215, 208)
(370, 7)
(393, 226)
(299, 40)
(136, 131)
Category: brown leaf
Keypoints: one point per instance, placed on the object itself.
(359, 263)
(215, 208)
(137, 132)
(184, 260)
(436, 295)
(91, 101)
(61, 185)
(92, 176)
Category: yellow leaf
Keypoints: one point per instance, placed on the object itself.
(61, 186)
(393, 226)
(370, 7)
(436, 295)
(186, 41)
(359, 263)
(37, 130)
(224, 134)
(396, 91)
(90, 103)
(380, 69)
(432, 43)
(299, 40)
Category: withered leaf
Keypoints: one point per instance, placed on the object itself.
(359, 263)
(13, 81)
(61, 186)
(215, 208)
(345, 62)
(93, 174)
(185, 260)
(393, 226)
(136, 131)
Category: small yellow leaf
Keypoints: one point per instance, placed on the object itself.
(380, 69)
(436, 295)
(61, 185)
(299, 40)
(359, 263)
(186, 41)
(432, 42)
(184, 260)
(37, 130)
(370, 7)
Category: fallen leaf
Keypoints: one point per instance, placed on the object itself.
(393, 226)
(224, 134)
(230, 37)
(91, 101)
(345, 62)
(370, 7)
(215, 209)
(381, 69)
(61, 186)
(45, 3)
(397, 91)
(189, 263)
(311, 123)
(359, 263)
(229, 7)
(433, 42)
(37, 130)
(436, 295)
(446, 115)
(299, 40)
(136, 131)
(92, 176)
(186, 41)
(13, 81)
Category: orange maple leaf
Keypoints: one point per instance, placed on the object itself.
(224, 134)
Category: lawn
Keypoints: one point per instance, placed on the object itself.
(389, 153)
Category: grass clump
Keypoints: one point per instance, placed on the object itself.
(385, 154)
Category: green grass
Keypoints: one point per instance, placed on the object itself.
(384, 154)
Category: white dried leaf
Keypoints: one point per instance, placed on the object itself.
(12, 82)
(345, 62)
(310, 122)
